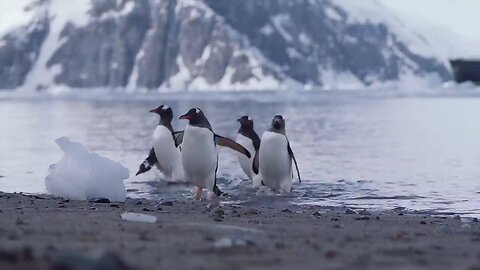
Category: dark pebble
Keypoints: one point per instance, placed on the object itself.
(363, 218)
(61, 206)
(400, 214)
(350, 212)
(166, 203)
(138, 203)
(475, 220)
(364, 212)
(99, 200)
(279, 245)
(145, 209)
(208, 238)
(93, 208)
(423, 222)
(114, 205)
(251, 212)
(286, 210)
(316, 214)
(66, 200)
(218, 211)
(217, 214)
(377, 218)
(330, 254)
(334, 219)
(159, 208)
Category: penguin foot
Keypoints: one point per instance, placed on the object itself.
(198, 194)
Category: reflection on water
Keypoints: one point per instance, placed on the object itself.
(353, 149)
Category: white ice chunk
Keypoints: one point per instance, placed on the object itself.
(128, 216)
(82, 175)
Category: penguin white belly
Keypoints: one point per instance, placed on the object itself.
(167, 154)
(199, 156)
(274, 161)
(245, 162)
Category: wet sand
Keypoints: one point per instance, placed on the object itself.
(43, 232)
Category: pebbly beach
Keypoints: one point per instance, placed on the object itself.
(45, 232)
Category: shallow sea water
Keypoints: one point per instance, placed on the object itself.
(358, 149)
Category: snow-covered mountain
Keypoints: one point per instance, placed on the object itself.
(211, 44)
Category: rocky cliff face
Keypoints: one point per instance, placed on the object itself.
(18, 52)
(206, 44)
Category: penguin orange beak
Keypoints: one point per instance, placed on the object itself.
(185, 116)
(153, 111)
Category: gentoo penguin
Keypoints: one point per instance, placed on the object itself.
(164, 153)
(248, 138)
(199, 153)
(274, 159)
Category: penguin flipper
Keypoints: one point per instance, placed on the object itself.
(256, 164)
(148, 163)
(292, 156)
(178, 137)
(222, 141)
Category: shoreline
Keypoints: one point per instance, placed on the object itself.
(41, 231)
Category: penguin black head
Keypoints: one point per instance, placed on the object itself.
(196, 117)
(246, 123)
(165, 112)
(278, 124)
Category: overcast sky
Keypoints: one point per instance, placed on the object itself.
(460, 16)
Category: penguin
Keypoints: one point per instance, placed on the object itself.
(248, 138)
(165, 153)
(274, 158)
(199, 153)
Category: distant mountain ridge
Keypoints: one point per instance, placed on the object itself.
(210, 44)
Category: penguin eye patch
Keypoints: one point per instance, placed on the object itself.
(165, 107)
(197, 110)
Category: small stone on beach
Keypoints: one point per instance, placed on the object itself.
(218, 214)
(364, 212)
(423, 222)
(363, 218)
(166, 203)
(251, 212)
(99, 200)
(330, 254)
(350, 211)
(316, 214)
(286, 210)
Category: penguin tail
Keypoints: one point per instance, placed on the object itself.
(218, 192)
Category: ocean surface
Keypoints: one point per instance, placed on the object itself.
(359, 149)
